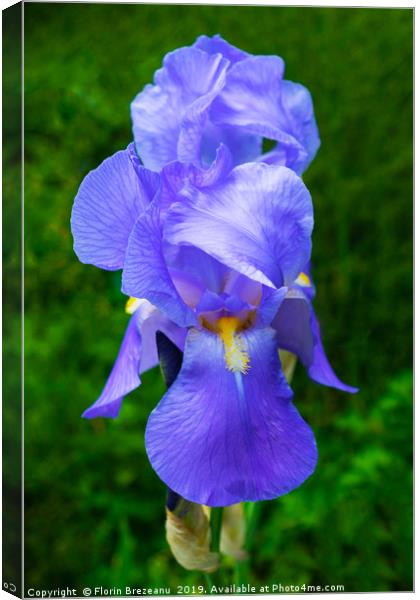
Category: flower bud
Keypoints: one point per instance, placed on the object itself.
(188, 534)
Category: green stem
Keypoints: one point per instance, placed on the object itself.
(254, 511)
(216, 528)
(216, 531)
(242, 567)
(241, 571)
(209, 582)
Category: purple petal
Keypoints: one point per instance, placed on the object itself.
(217, 45)
(270, 303)
(145, 273)
(297, 104)
(149, 179)
(176, 175)
(218, 170)
(189, 288)
(320, 370)
(124, 376)
(293, 326)
(251, 99)
(196, 264)
(298, 332)
(251, 94)
(218, 438)
(242, 287)
(176, 105)
(210, 302)
(258, 222)
(243, 146)
(152, 320)
(138, 353)
(213, 286)
(106, 207)
(235, 305)
(256, 99)
(193, 124)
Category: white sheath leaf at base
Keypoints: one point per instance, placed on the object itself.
(188, 535)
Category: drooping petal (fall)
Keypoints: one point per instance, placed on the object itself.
(218, 437)
(320, 370)
(298, 332)
(137, 354)
(124, 376)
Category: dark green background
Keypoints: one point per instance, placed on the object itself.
(94, 507)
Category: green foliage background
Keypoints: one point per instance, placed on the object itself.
(94, 507)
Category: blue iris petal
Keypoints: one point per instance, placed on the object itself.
(230, 442)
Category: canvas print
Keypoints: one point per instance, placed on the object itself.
(217, 321)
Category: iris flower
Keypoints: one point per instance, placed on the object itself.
(217, 259)
(213, 93)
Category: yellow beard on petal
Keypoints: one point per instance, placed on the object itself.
(236, 355)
